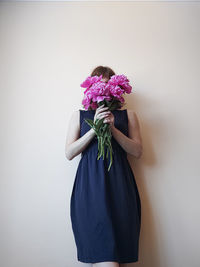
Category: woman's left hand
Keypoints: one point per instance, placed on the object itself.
(110, 119)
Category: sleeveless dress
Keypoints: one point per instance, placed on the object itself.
(105, 207)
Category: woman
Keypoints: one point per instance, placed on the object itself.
(105, 207)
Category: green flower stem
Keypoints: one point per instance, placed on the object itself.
(104, 135)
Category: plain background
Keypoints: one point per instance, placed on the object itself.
(47, 49)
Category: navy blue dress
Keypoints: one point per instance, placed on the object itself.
(105, 206)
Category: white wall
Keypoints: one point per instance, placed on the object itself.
(47, 49)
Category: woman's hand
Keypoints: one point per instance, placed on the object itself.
(101, 112)
(110, 119)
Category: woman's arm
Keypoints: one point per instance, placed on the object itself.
(133, 143)
(74, 143)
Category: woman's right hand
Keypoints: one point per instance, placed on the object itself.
(101, 112)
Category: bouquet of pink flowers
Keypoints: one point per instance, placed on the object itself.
(110, 94)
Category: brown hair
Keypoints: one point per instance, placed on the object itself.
(106, 72)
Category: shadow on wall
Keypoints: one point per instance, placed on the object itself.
(151, 131)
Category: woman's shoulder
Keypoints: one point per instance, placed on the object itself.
(130, 111)
(75, 115)
(132, 115)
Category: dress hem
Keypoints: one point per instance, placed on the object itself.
(103, 259)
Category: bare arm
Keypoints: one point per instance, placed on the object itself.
(74, 143)
(133, 143)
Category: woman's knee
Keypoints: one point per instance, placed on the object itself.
(106, 264)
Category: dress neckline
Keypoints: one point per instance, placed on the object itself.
(93, 110)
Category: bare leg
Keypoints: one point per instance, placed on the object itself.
(131, 264)
(106, 264)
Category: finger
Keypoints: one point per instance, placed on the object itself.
(102, 107)
(103, 114)
(106, 120)
(102, 110)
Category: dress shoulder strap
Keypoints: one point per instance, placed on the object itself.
(81, 117)
(126, 121)
(126, 115)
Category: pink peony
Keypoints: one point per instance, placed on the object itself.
(122, 81)
(98, 91)
(90, 80)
